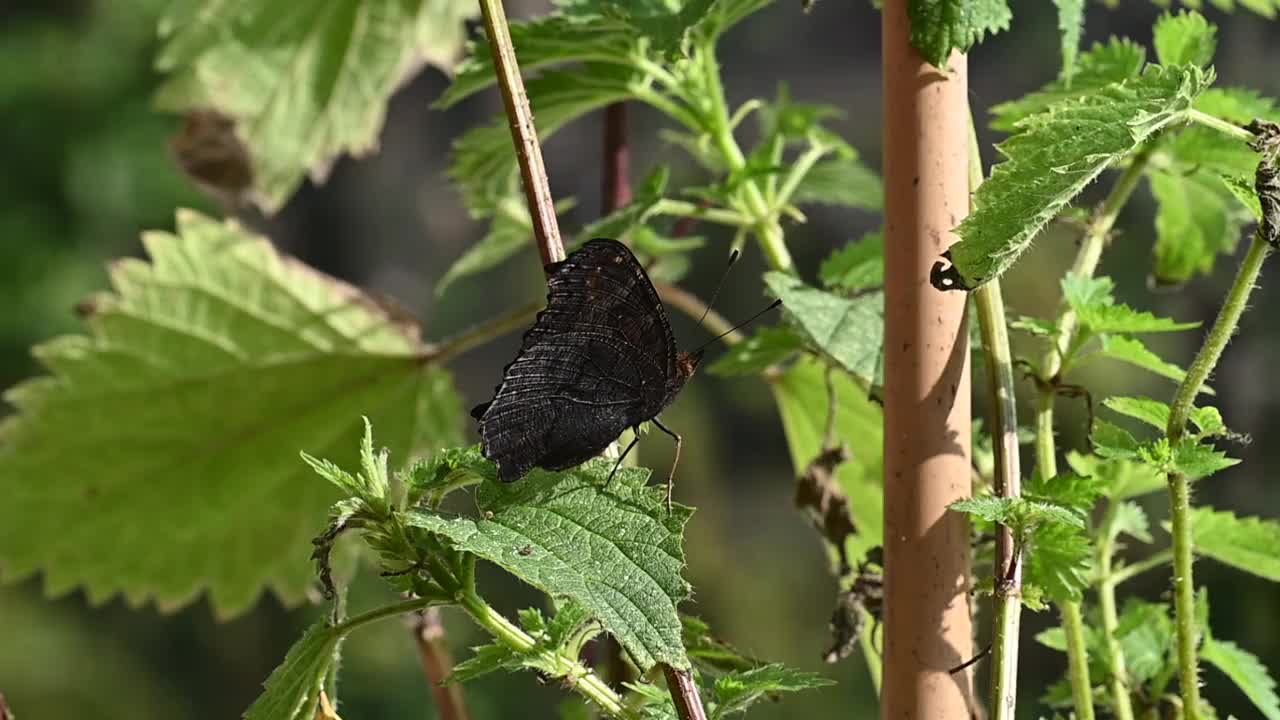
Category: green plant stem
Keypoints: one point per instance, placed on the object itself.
(384, 612)
(1007, 615)
(1184, 601)
(577, 676)
(478, 335)
(1222, 126)
(1077, 660)
(1119, 677)
(681, 208)
(1128, 572)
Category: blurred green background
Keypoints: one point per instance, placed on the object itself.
(86, 168)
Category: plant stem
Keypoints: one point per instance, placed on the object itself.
(1131, 571)
(524, 135)
(384, 612)
(437, 663)
(1180, 485)
(684, 693)
(1008, 477)
(615, 181)
(1077, 661)
(475, 336)
(1222, 126)
(1119, 677)
(683, 209)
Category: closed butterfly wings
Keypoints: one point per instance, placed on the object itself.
(599, 359)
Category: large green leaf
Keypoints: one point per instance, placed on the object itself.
(1247, 672)
(611, 546)
(293, 690)
(1250, 544)
(160, 456)
(848, 330)
(1104, 64)
(1197, 219)
(940, 26)
(1185, 38)
(304, 81)
(1056, 153)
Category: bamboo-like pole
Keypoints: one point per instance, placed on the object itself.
(928, 629)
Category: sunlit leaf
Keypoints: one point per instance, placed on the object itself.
(1250, 544)
(940, 26)
(848, 330)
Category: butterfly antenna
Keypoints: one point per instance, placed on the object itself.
(733, 257)
(740, 325)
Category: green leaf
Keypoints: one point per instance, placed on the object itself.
(1059, 559)
(1039, 327)
(1247, 672)
(856, 266)
(484, 660)
(1130, 519)
(1185, 38)
(842, 181)
(1208, 422)
(1250, 544)
(1145, 632)
(1120, 478)
(303, 83)
(664, 25)
(1151, 412)
(293, 690)
(1097, 310)
(174, 425)
(1056, 153)
(1132, 351)
(572, 536)
(1070, 25)
(710, 655)
(1071, 490)
(848, 330)
(1197, 219)
(768, 347)
(737, 691)
(1118, 60)
(801, 395)
(1198, 460)
(940, 26)
(1113, 442)
(1020, 513)
(510, 231)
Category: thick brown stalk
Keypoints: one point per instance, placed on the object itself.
(437, 663)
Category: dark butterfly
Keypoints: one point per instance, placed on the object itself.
(598, 360)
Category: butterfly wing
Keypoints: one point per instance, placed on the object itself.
(595, 362)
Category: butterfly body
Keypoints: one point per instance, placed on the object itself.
(600, 359)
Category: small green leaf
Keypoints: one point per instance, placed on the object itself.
(304, 84)
(1208, 422)
(1059, 560)
(1020, 513)
(484, 660)
(1130, 519)
(1119, 478)
(768, 347)
(1055, 154)
(1070, 25)
(1151, 412)
(1117, 60)
(510, 231)
(1250, 544)
(1198, 460)
(1185, 38)
(856, 266)
(173, 425)
(293, 690)
(1145, 632)
(1039, 327)
(710, 655)
(739, 690)
(1132, 351)
(1198, 218)
(940, 26)
(1247, 672)
(572, 534)
(1097, 310)
(1113, 442)
(842, 181)
(1071, 490)
(848, 330)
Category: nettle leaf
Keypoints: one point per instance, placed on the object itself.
(1145, 633)
(1185, 38)
(1119, 478)
(573, 536)
(1113, 442)
(940, 26)
(1250, 544)
(1040, 327)
(1151, 412)
(1208, 422)
(1247, 672)
(484, 660)
(1071, 490)
(293, 690)
(303, 83)
(1070, 25)
(510, 231)
(1059, 559)
(848, 330)
(1132, 351)
(1198, 460)
(766, 348)
(1053, 155)
(858, 265)
(736, 691)
(841, 181)
(1130, 519)
(1197, 218)
(1117, 60)
(801, 395)
(1020, 513)
(173, 426)
(1097, 310)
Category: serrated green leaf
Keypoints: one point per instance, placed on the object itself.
(304, 83)
(940, 26)
(767, 347)
(1071, 490)
(801, 395)
(1039, 327)
(1247, 672)
(842, 181)
(1198, 218)
(173, 427)
(1198, 460)
(1023, 514)
(1145, 633)
(1056, 153)
(856, 266)
(1130, 519)
(1059, 560)
(1208, 422)
(665, 25)
(1250, 544)
(571, 536)
(1185, 38)
(737, 691)
(1151, 412)
(1113, 442)
(848, 330)
(1117, 60)
(1132, 351)
(1119, 478)
(1070, 25)
(1098, 311)
(293, 690)
(484, 660)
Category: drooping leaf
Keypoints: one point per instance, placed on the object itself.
(1198, 218)
(303, 82)
(767, 347)
(1055, 154)
(856, 266)
(1185, 38)
(1250, 544)
(1117, 60)
(1132, 351)
(1151, 412)
(573, 536)
(848, 330)
(736, 691)
(485, 659)
(940, 26)
(173, 426)
(293, 690)
(842, 181)
(1247, 672)
(1070, 25)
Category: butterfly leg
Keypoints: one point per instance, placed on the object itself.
(671, 479)
(635, 439)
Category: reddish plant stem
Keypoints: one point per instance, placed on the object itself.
(685, 694)
(615, 186)
(437, 663)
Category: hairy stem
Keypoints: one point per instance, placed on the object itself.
(1222, 126)
(1119, 677)
(524, 134)
(1077, 660)
(1128, 572)
(1184, 600)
